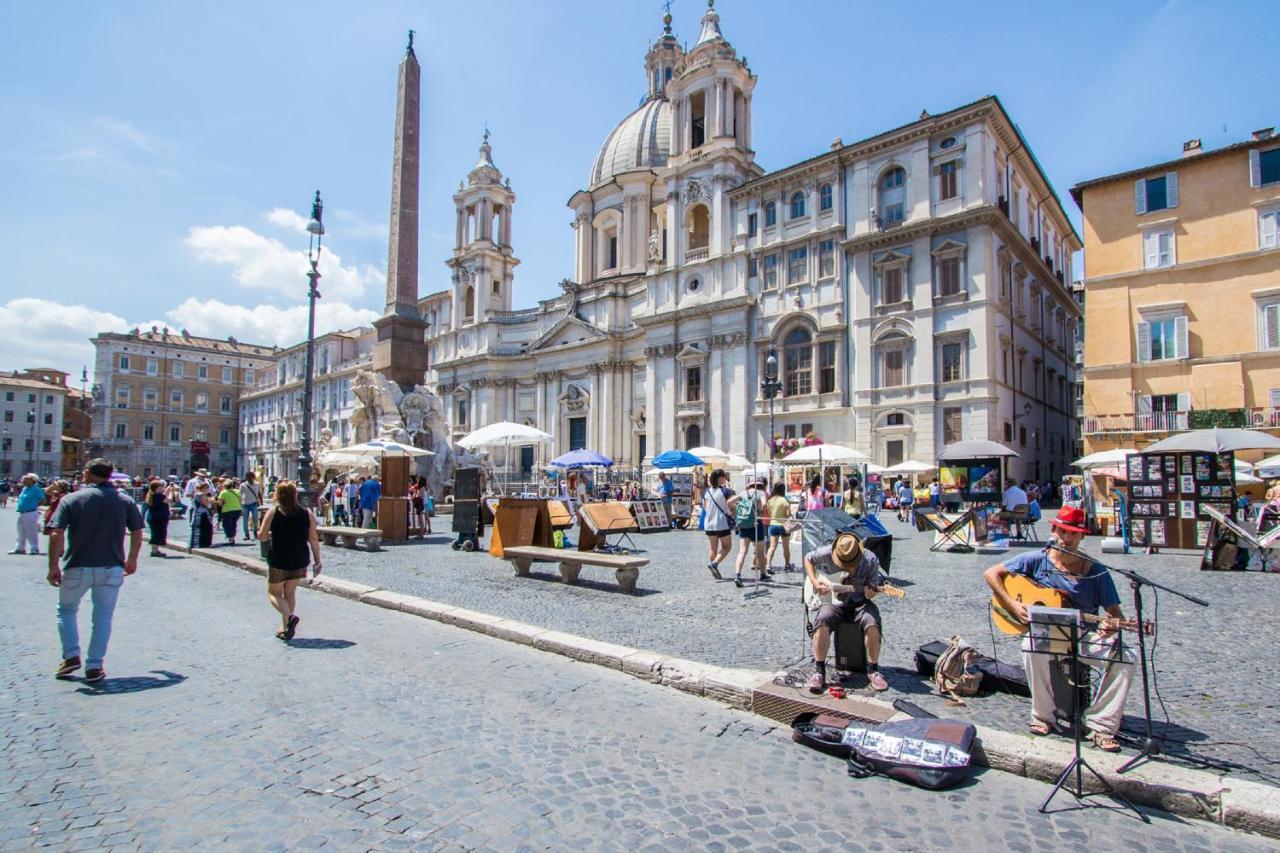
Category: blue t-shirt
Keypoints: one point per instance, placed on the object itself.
(29, 499)
(1096, 589)
(668, 488)
(370, 491)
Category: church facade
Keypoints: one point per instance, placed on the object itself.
(914, 286)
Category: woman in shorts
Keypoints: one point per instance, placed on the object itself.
(752, 538)
(717, 521)
(779, 526)
(290, 529)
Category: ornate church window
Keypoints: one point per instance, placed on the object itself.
(797, 363)
(893, 197)
(797, 205)
(469, 305)
(824, 197)
(770, 214)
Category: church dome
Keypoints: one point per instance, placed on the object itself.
(641, 141)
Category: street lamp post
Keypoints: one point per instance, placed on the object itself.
(770, 387)
(4, 454)
(316, 229)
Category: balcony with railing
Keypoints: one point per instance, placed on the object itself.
(691, 408)
(695, 255)
(1260, 417)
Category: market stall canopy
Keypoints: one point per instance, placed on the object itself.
(734, 462)
(1245, 479)
(873, 468)
(1113, 471)
(503, 434)
(709, 455)
(834, 454)
(1269, 467)
(675, 459)
(975, 448)
(1216, 440)
(1103, 458)
(910, 467)
(377, 448)
(582, 459)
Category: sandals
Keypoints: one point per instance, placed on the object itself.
(293, 626)
(1041, 729)
(280, 635)
(1104, 742)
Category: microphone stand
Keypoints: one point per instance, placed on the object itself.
(1150, 744)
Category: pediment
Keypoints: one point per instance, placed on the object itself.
(570, 330)
(949, 247)
(691, 352)
(893, 256)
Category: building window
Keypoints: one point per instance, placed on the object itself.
(175, 433)
(224, 404)
(175, 401)
(177, 370)
(753, 268)
(1159, 193)
(893, 197)
(613, 251)
(48, 419)
(46, 445)
(952, 425)
(248, 376)
(752, 225)
(1022, 436)
(1008, 432)
(122, 431)
(824, 197)
(797, 265)
(1157, 248)
(124, 362)
(202, 372)
(6, 445)
(202, 401)
(226, 375)
(952, 361)
(770, 272)
(770, 214)
(891, 285)
(827, 367)
(1270, 322)
(895, 373)
(826, 259)
(1268, 227)
(224, 436)
(469, 305)
(1264, 167)
(699, 227)
(693, 384)
(895, 419)
(153, 366)
(947, 180)
(8, 417)
(8, 396)
(1163, 411)
(148, 432)
(697, 128)
(150, 399)
(949, 276)
(122, 397)
(797, 363)
(1163, 337)
(797, 205)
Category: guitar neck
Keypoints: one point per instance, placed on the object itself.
(885, 589)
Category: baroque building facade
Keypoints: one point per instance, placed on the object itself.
(914, 285)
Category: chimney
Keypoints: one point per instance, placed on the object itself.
(1265, 133)
(1191, 146)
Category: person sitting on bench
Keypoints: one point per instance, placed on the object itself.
(861, 569)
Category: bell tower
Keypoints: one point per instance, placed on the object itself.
(711, 92)
(483, 265)
(400, 352)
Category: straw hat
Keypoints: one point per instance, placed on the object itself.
(846, 551)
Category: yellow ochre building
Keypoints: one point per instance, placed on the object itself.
(1182, 284)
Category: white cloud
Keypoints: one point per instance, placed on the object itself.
(287, 218)
(264, 324)
(264, 263)
(41, 333)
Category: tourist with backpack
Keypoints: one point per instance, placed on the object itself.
(749, 514)
(717, 521)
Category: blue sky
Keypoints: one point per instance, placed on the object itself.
(157, 157)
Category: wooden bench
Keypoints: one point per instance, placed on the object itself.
(626, 567)
(350, 535)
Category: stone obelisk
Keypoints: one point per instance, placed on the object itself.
(400, 353)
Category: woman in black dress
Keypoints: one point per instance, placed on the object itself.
(157, 516)
(292, 541)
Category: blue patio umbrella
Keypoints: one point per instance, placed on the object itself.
(582, 459)
(675, 459)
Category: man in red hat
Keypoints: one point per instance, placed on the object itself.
(1089, 587)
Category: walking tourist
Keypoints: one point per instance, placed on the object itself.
(780, 527)
(5, 490)
(749, 515)
(853, 499)
(157, 516)
(201, 518)
(815, 496)
(906, 499)
(200, 477)
(292, 543)
(717, 521)
(29, 500)
(229, 509)
(352, 491)
(250, 503)
(935, 493)
(92, 521)
(370, 491)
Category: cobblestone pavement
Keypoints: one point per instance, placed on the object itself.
(377, 729)
(1207, 659)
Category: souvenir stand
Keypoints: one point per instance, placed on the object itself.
(972, 472)
(1168, 491)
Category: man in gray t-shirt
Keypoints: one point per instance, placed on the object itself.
(91, 524)
(846, 562)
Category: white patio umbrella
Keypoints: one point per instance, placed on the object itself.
(1103, 458)
(735, 462)
(1269, 467)
(910, 467)
(503, 434)
(710, 455)
(835, 454)
(377, 448)
(975, 448)
(1216, 440)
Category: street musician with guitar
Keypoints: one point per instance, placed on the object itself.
(1067, 580)
(861, 570)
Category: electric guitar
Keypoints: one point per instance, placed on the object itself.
(1030, 594)
(813, 600)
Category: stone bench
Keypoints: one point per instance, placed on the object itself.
(626, 567)
(350, 536)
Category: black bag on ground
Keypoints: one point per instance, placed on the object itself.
(929, 752)
(997, 677)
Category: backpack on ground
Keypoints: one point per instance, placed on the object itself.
(744, 514)
(956, 674)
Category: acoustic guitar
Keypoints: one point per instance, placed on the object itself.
(1031, 594)
(813, 600)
